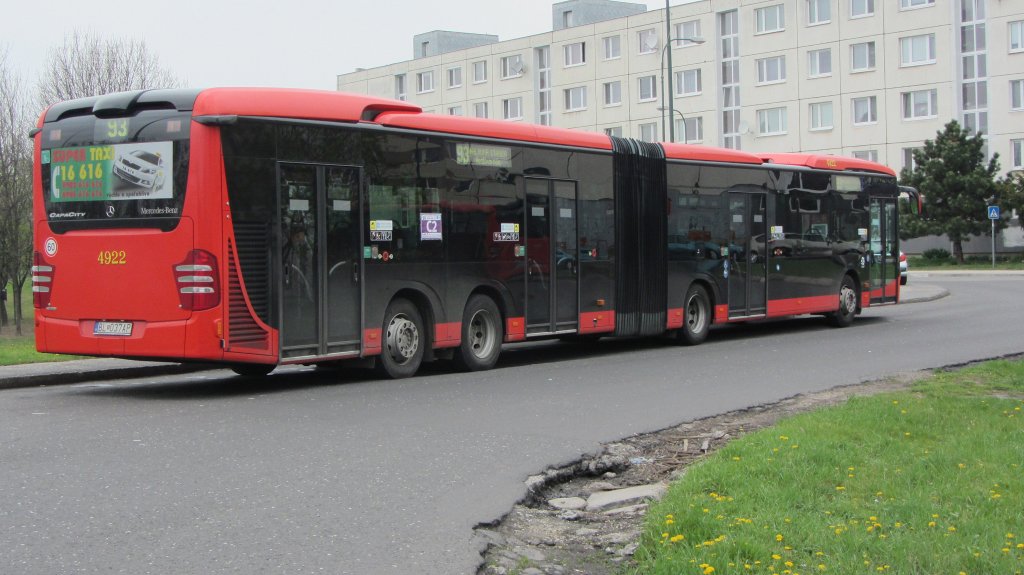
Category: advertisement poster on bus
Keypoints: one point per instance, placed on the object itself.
(139, 171)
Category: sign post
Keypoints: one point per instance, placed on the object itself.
(993, 215)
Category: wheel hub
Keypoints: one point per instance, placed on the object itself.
(403, 338)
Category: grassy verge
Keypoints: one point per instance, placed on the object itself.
(16, 350)
(927, 481)
(917, 263)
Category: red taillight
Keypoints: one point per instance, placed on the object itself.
(42, 281)
(196, 277)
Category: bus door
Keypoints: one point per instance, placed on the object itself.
(883, 251)
(747, 255)
(552, 286)
(321, 260)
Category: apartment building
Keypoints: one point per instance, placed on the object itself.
(865, 78)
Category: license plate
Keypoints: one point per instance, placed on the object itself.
(122, 328)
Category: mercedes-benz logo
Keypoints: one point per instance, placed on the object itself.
(110, 211)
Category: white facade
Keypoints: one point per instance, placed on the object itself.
(872, 78)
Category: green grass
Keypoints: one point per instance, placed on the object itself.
(16, 350)
(917, 263)
(928, 481)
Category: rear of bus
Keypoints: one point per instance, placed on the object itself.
(127, 237)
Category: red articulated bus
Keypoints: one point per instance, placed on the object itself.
(259, 227)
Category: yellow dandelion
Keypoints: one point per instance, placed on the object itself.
(778, 537)
(776, 556)
(677, 538)
(821, 567)
(840, 488)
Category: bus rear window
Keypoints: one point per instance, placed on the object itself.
(115, 172)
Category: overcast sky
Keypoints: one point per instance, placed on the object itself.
(286, 43)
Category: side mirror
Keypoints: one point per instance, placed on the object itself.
(913, 200)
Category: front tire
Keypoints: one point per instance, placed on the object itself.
(403, 340)
(843, 317)
(696, 316)
(481, 335)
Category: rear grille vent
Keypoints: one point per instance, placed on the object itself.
(243, 331)
(253, 240)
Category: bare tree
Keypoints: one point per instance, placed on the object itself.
(87, 65)
(15, 185)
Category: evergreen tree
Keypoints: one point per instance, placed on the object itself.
(957, 185)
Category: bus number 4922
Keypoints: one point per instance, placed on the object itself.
(112, 258)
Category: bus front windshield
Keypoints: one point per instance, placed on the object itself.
(115, 172)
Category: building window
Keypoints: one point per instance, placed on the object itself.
(771, 122)
(689, 29)
(1017, 153)
(425, 82)
(690, 130)
(479, 71)
(575, 54)
(512, 109)
(1017, 36)
(1017, 94)
(917, 50)
(771, 70)
(455, 77)
(819, 12)
(575, 99)
(648, 88)
(568, 19)
(869, 155)
(615, 132)
(688, 82)
(862, 57)
(920, 104)
(612, 47)
(613, 93)
(821, 116)
(907, 4)
(862, 8)
(770, 19)
(400, 87)
(647, 40)
(819, 63)
(512, 66)
(649, 132)
(865, 110)
(908, 159)
(480, 110)
(455, 111)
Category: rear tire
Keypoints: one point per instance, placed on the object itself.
(843, 317)
(696, 316)
(403, 340)
(481, 335)
(252, 369)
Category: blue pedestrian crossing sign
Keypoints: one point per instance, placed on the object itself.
(993, 212)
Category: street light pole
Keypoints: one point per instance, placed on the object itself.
(671, 95)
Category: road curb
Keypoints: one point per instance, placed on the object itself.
(937, 293)
(72, 377)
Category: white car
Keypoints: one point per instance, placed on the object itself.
(903, 268)
(141, 168)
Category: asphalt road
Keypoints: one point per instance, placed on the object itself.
(314, 472)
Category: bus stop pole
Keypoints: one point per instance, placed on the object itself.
(993, 244)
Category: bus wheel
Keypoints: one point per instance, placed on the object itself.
(481, 335)
(403, 342)
(252, 369)
(847, 304)
(697, 316)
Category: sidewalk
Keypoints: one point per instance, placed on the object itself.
(76, 371)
